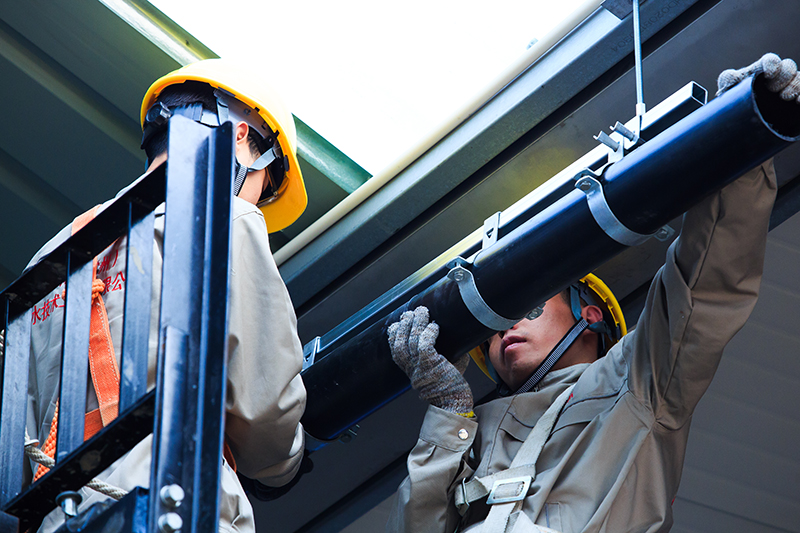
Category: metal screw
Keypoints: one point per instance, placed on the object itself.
(584, 184)
(350, 434)
(458, 275)
(663, 233)
(170, 523)
(69, 501)
(172, 496)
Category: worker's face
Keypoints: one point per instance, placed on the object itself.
(517, 352)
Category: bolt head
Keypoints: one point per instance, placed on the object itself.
(170, 523)
(172, 495)
(69, 501)
(458, 276)
(584, 185)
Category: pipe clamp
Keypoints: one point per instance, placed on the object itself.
(475, 303)
(603, 215)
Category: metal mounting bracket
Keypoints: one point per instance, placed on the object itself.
(491, 227)
(310, 352)
(621, 141)
(602, 213)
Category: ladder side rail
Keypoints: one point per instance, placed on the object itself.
(214, 328)
(187, 442)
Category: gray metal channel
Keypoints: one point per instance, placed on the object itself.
(576, 62)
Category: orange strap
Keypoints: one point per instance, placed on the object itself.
(102, 363)
(228, 454)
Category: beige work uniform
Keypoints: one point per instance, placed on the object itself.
(265, 394)
(613, 461)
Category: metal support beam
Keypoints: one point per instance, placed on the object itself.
(591, 49)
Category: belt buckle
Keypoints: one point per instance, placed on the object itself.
(507, 492)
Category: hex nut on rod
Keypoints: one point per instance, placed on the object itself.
(170, 523)
(69, 501)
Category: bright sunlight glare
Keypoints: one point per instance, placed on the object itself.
(372, 77)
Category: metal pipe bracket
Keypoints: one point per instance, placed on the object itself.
(474, 301)
(587, 183)
(476, 304)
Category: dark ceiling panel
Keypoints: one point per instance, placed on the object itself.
(93, 44)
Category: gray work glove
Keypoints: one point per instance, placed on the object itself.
(436, 379)
(781, 75)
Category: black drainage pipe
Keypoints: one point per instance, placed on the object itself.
(646, 189)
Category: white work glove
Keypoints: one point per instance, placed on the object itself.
(782, 76)
(437, 380)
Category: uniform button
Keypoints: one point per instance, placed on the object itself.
(463, 434)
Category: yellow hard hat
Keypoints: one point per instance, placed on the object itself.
(608, 304)
(590, 287)
(480, 354)
(249, 87)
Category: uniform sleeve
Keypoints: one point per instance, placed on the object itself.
(265, 394)
(436, 466)
(701, 297)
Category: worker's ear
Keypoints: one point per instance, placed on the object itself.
(241, 133)
(592, 314)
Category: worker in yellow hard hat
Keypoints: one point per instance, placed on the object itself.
(222, 91)
(264, 439)
(594, 309)
(588, 428)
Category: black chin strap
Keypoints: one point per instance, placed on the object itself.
(238, 181)
(157, 119)
(266, 159)
(551, 359)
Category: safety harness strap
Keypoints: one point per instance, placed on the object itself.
(497, 520)
(506, 489)
(102, 362)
